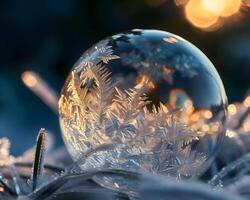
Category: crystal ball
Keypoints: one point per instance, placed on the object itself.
(143, 100)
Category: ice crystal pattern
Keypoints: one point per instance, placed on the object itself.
(155, 55)
(105, 127)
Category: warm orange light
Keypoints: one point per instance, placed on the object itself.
(189, 107)
(205, 128)
(29, 79)
(223, 8)
(232, 110)
(205, 13)
(36, 84)
(150, 85)
(214, 6)
(247, 102)
(246, 2)
(208, 114)
(166, 71)
(141, 79)
(246, 126)
(171, 40)
(230, 133)
(199, 15)
(194, 117)
(180, 2)
(230, 7)
(194, 127)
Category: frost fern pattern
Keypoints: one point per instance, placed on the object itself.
(111, 128)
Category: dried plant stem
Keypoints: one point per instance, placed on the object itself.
(226, 170)
(38, 161)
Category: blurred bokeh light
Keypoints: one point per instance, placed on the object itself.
(208, 13)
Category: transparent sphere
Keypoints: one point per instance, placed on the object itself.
(144, 100)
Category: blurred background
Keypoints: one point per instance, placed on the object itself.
(48, 36)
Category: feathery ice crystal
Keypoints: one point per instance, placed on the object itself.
(143, 100)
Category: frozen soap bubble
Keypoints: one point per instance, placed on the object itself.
(143, 100)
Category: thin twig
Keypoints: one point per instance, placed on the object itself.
(38, 161)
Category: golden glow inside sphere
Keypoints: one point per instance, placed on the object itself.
(143, 100)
